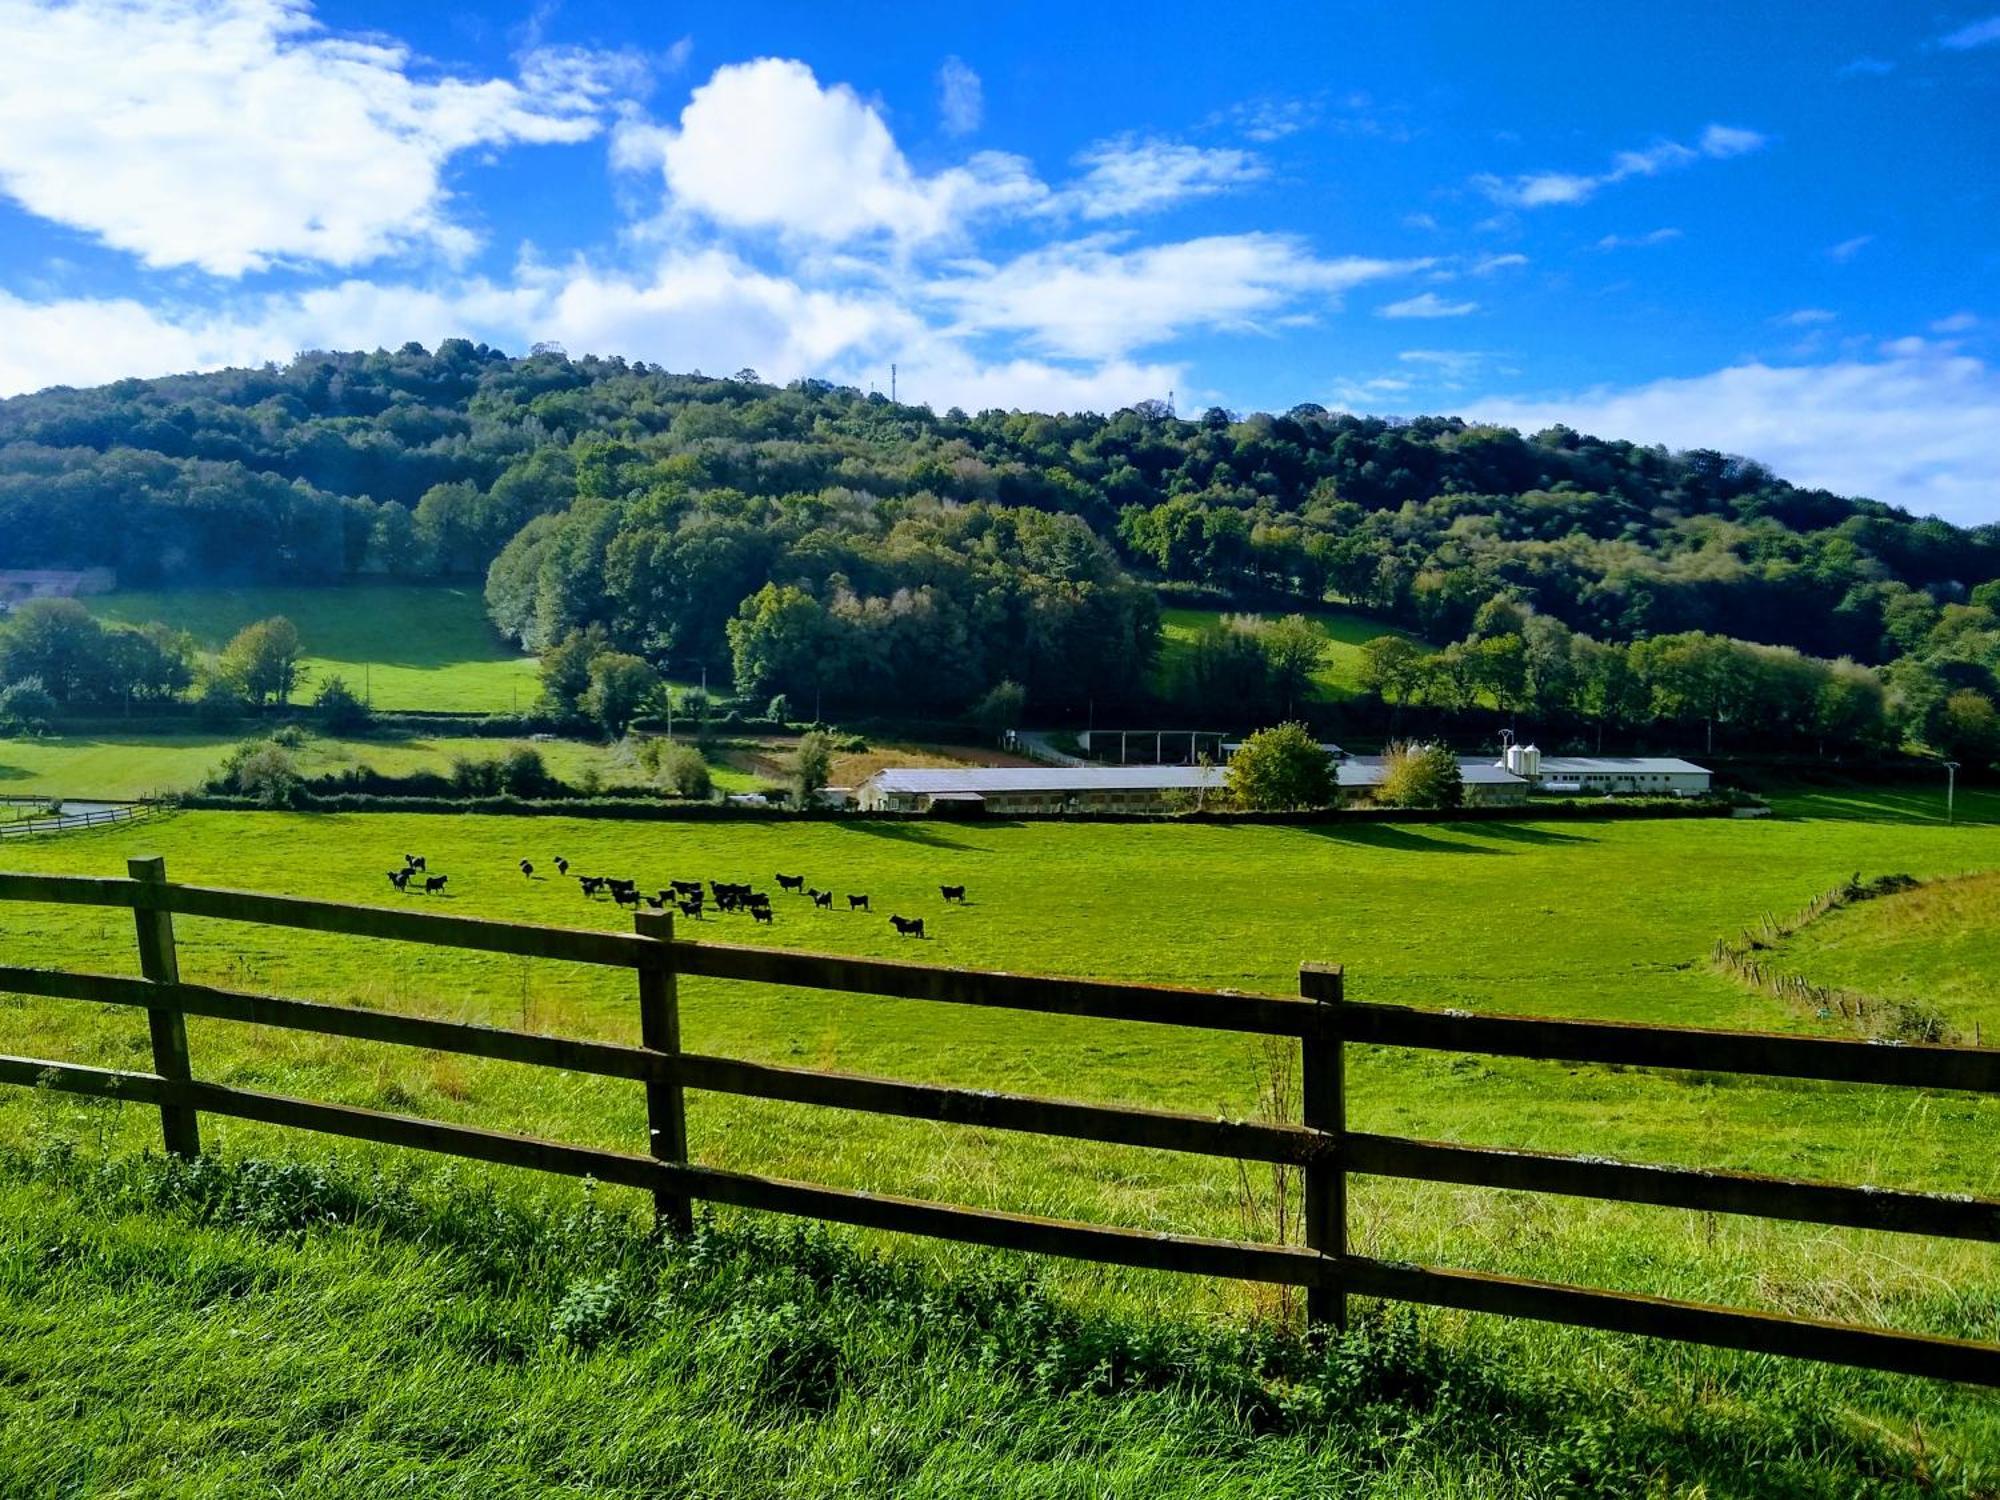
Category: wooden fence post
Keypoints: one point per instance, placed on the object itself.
(1323, 1096)
(179, 1125)
(660, 1031)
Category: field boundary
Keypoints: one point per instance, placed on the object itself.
(1321, 1146)
(101, 814)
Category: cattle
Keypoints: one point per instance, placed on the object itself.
(691, 909)
(760, 913)
(400, 879)
(562, 865)
(791, 882)
(625, 896)
(757, 901)
(413, 861)
(591, 884)
(857, 903)
(822, 899)
(433, 884)
(689, 888)
(658, 903)
(527, 869)
(616, 883)
(908, 926)
(952, 892)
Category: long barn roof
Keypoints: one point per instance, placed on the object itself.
(1357, 771)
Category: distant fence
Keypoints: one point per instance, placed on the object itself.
(60, 822)
(1324, 1149)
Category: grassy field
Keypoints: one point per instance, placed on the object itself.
(1339, 676)
(112, 765)
(1565, 919)
(409, 646)
(1938, 944)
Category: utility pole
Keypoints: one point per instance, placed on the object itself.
(892, 383)
(1950, 787)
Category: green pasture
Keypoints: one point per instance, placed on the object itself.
(142, 765)
(1339, 675)
(1938, 944)
(407, 646)
(1610, 920)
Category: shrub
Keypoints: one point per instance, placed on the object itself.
(682, 769)
(1421, 776)
(779, 709)
(26, 707)
(1281, 770)
(338, 710)
(523, 773)
(812, 763)
(218, 704)
(263, 771)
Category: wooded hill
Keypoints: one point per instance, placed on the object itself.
(919, 557)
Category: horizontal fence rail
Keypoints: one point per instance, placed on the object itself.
(1322, 1148)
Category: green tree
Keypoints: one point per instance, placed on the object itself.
(1295, 649)
(1282, 769)
(58, 642)
(1392, 667)
(262, 661)
(812, 764)
(999, 712)
(1966, 727)
(778, 642)
(522, 772)
(565, 669)
(1420, 776)
(264, 771)
(621, 688)
(26, 707)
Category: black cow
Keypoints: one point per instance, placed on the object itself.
(908, 926)
(591, 884)
(757, 901)
(952, 892)
(760, 913)
(527, 869)
(413, 861)
(857, 903)
(691, 909)
(562, 865)
(400, 879)
(433, 884)
(658, 903)
(823, 899)
(686, 887)
(791, 882)
(625, 896)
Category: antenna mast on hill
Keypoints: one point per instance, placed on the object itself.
(1170, 403)
(892, 384)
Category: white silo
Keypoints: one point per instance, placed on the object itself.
(1530, 767)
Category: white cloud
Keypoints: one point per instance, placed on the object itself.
(1805, 317)
(1127, 176)
(1918, 427)
(1270, 119)
(1958, 322)
(1486, 265)
(1091, 298)
(961, 98)
(1451, 365)
(1542, 189)
(762, 146)
(1638, 241)
(231, 134)
(1866, 67)
(1426, 305)
(1846, 250)
(1978, 34)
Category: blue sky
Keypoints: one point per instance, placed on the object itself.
(1775, 233)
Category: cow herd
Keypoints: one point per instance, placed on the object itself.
(691, 898)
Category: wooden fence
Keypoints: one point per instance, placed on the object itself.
(1322, 1146)
(97, 817)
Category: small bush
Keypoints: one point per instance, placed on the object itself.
(1421, 776)
(26, 707)
(263, 771)
(683, 771)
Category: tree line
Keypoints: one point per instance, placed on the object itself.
(818, 540)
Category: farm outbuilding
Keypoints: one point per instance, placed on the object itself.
(1485, 783)
(1657, 775)
(1036, 789)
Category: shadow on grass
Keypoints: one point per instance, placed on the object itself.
(1521, 833)
(907, 833)
(1393, 836)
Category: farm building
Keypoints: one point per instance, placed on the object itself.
(1035, 789)
(1009, 790)
(1663, 776)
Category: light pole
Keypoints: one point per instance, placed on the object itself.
(1950, 787)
